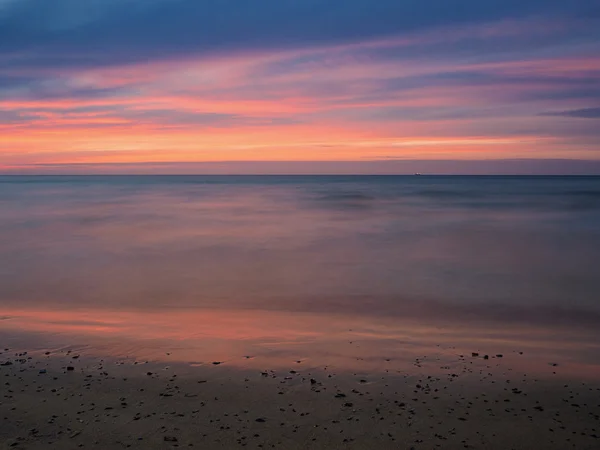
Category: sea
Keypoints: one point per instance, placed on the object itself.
(281, 266)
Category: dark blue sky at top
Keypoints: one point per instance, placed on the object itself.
(98, 32)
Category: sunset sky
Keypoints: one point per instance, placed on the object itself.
(114, 85)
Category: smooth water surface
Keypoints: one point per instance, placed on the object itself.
(498, 250)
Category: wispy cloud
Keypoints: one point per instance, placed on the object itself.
(181, 80)
(584, 113)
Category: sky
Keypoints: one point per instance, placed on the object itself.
(247, 85)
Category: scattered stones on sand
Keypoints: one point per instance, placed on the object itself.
(437, 404)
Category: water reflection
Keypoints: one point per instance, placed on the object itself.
(195, 255)
(277, 340)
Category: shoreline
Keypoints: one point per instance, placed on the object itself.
(471, 402)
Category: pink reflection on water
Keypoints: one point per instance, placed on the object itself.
(255, 338)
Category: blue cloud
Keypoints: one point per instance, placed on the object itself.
(583, 113)
(98, 32)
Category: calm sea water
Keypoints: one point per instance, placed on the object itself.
(523, 249)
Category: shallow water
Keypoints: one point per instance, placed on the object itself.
(457, 252)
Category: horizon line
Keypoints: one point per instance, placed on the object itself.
(506, 167)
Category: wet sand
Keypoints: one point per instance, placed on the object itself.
(66, 400)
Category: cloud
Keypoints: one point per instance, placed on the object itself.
(583, 113)
(100, 32)
(139, 80)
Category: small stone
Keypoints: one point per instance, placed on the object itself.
(42, 370)
(170, 439)
(216, 363)
(261, 420)
(70, 368)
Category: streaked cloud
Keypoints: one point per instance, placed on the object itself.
(179, 80)
(584, 113)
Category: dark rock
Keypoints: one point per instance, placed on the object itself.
(216, 363)
(70, 368)
(474, 354)
(313, 381)
(261, 420)
(170, 439)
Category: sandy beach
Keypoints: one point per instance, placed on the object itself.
(60, 399)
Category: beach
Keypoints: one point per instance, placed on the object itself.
(63, 400)
(300, 224)
(299, 312)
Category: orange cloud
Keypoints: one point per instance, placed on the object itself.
(309, 104)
